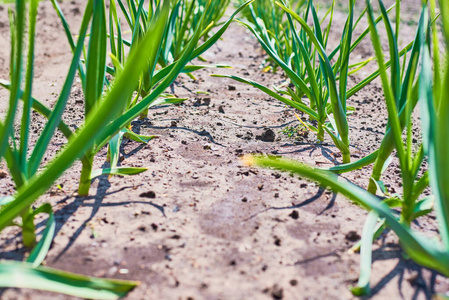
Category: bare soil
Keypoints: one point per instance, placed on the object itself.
(198, 224)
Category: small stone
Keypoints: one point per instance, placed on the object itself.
(267, 136)
(294, 215)
(149, 194)
(221, 109)
(231, 87)
(277, 292)
(154, 226)
(352, 236)
(123, 271)
(277, 241)
(206, 101)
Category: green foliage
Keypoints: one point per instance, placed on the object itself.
(318, 77)
(108, 111)
(166, 37)
(415, 79)
(296, 132)
(176, 40)
(24, 167)
(26, 275)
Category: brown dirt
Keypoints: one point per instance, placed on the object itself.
(215, 229)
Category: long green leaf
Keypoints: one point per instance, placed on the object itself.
(363, 287)
(25, 275)
(435, 126)
(40, 251)
(95, 125)
(426, 252)
(121, 171)
(56, 114)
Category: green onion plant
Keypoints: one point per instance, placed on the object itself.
(25, 159)
(105, 119)
(319, 77)
(185, 16)
(405, 92)
(426, 86)
(140, 19)
(266, 16)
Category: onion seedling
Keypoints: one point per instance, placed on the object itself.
(315, 74)
(186, 15)
(106, 118)
(104, 121)
(433, 98)
(24, 162)
(267, 17)
(153, 79)
(404, 90)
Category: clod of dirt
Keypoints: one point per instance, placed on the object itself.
(415, 280)
(3, 173)
(206, 101)
(276, 175)
(260, 187)
(293, 282)
(174, 124)
(231, 87)
(154, 226)
(294, 215)
(277, 241)
(277, 292)
(149, 194)
(267, 136)
(245, 199)
(75, 11)
(221, 109)
(352, 236)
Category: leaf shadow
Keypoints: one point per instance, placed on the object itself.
(424, 287)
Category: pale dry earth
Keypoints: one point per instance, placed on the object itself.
(198, 224)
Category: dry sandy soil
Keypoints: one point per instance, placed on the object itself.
(198, 224)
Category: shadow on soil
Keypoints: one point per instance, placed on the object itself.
(64, 214)
(304, 203)
(407, 271)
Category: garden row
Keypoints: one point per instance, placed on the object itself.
(165, 37)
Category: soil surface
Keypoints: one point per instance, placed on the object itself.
(199, 224)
